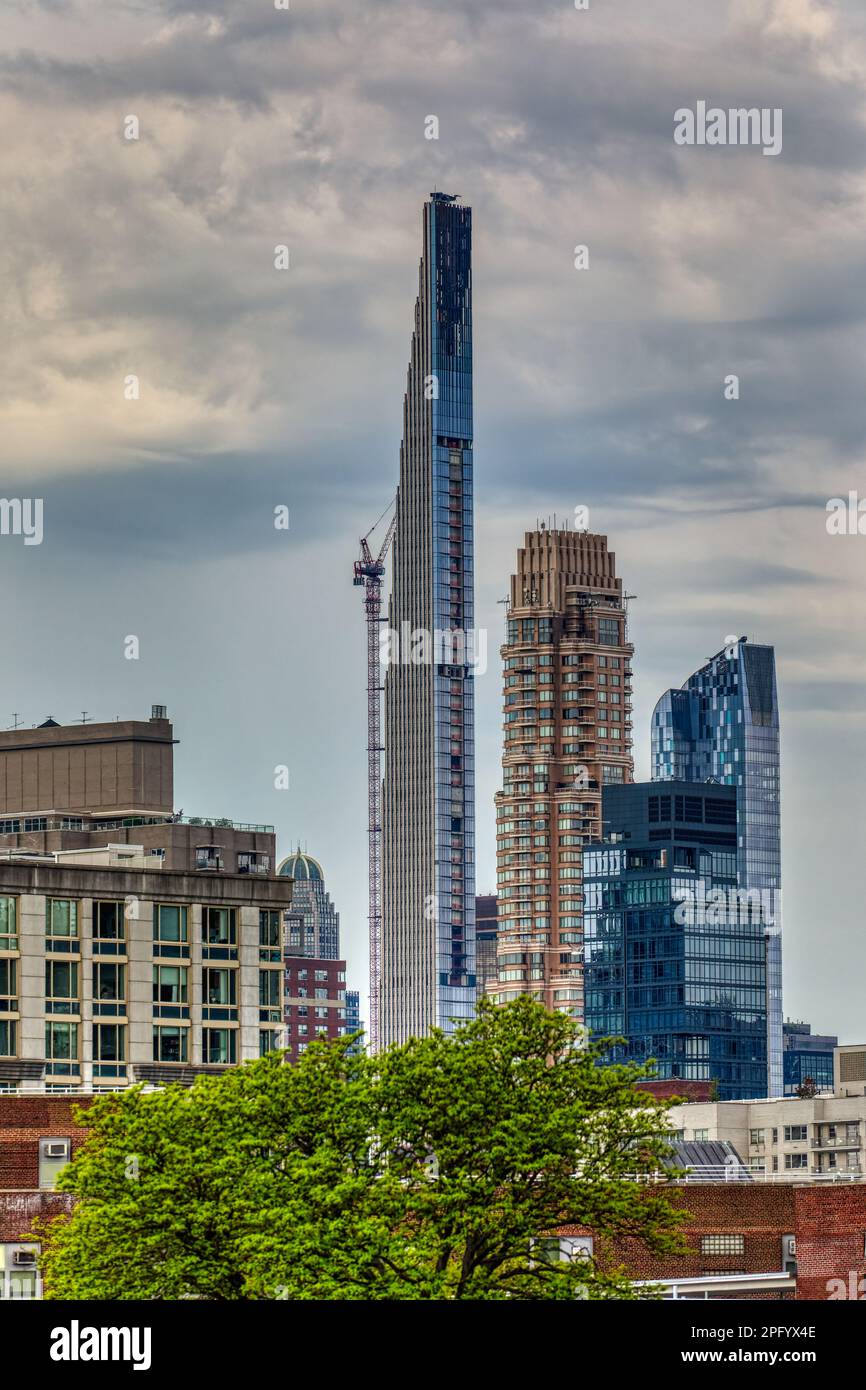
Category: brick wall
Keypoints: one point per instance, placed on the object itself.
(18, 1211)
(759, 1212)
(831, 1231)
(24, 1120)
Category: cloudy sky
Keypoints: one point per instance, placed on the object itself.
(154, 258)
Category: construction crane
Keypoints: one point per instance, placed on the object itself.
(369, 573)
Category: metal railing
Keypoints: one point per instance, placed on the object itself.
(732, 1173)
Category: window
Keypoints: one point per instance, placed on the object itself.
(794, 1133)
(61, 918)
(723, 1245)
(109, 1043)
(219, 1046)
(269, 1041)
(108, 921)
(321, 993)
(701, 1135)
(269, 989)
(608, 632)
(169, 923)
(269, 928)
(9, 931)
(7, 1037)
(170, 984)
(61, 987)
(218, 926)
(219, 987)
(756, 1136)
(796, 1160)
(54, 1154)
(170, 1044)
(109, 984)
(8, 985)
(61, 1048)
(19, 1272)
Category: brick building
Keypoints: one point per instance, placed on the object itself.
(803, 1241)
(38, 1136)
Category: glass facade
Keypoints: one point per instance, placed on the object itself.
(428, 828)
(723, 726)
(675, 954)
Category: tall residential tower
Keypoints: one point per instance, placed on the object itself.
(723, 726)
(428, 822)
(567, 675)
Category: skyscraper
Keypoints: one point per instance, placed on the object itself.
(312, 923)
(428, 820)
(675, 959)
(723, 726)
(567, 702)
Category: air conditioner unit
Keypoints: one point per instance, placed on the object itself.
(58, 1149)
(791, 1246)
(24, 1257)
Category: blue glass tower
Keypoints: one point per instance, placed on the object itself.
(428, 821)
(674, 955)
(723, 726)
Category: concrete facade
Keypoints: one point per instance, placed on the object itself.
(787, 1138)
(133, 945)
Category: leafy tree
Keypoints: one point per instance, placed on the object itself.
(441, 1169)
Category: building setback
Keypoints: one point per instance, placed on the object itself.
(428, 822)
(723, 726)
(568, 734)
(315, 997)
(675, 958)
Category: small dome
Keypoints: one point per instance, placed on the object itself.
(300, 866)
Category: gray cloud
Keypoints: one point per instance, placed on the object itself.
(602, 388)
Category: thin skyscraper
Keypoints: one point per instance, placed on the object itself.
(428, 821)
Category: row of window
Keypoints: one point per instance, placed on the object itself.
(170, 1044)
(108, 922)
(170, 985)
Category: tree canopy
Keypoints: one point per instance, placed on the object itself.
(440, 1169)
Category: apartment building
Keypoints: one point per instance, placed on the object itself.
(135, 945)
(567, 735)
(821, 1137)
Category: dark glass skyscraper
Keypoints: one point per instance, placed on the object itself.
(723, 726)
(428, 821)
(675, 958)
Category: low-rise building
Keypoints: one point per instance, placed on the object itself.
(791, 1138)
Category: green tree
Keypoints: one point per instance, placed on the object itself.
(441, 1169)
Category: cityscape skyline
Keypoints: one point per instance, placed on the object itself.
(600, 388)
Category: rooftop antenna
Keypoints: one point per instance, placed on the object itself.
(15, 720)
(85, 717)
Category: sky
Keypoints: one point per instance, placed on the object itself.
(165, 387)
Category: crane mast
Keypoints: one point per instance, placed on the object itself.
(369, 573)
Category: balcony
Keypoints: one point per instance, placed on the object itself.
(209, 860)
(840, 1142)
